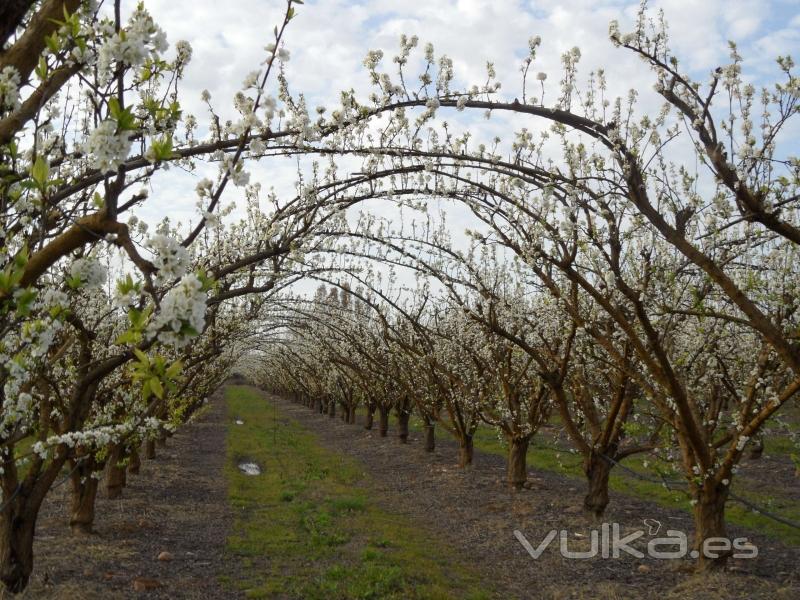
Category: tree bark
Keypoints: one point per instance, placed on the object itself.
(597, 471)
(430, 437)
(384, 421)
(517, 462)
(16, 545)
(134, 462)
(83, 496)
(18, 523)
(150, 449)
(332, 409)
(709, 522)
(465, 451)
(370, 416)
(115, 474)
(352, 416)
(12, 12)
(403, 417)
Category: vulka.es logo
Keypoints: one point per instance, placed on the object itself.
(609, 543)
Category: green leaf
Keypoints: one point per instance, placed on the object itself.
(162, 149)
(146, 391)
(155, 385)
(174, 369)
(129, 337)
(41, 68)
(143, 358)
(123, 116)
(40, 172)
(24, 301)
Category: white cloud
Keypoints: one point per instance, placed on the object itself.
(329, 39)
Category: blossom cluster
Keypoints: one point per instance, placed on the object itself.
(89, 272)
(141, 39)
(9, 89)
(182, 313)
(169, 257)
(107, 146)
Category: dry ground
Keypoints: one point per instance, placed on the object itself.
(478, 516)
(178, 504)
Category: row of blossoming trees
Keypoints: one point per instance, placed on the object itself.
(652, 306)
(635, 275)
(114, 329)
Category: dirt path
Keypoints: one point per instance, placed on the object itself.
(477, 515)
(176, 504)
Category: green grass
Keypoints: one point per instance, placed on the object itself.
(542, 455)
(308, 527)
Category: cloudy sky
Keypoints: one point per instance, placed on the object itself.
(329, 39)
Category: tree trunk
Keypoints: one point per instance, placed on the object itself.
(403, 417)
(352, 416)
(465, 451)
(134, 462)
(597, 470)
(150, 449)
(517, 462)
(384, 421)
(709, 522)
(331, 409)
(115, 474)
(83, 496)
(430, 437)
(370, 416)
(16, 545)
(18, 523)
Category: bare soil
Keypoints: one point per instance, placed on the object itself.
(177, 504)
(474, 511)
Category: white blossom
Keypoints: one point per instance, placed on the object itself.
(107, 147)
(170, 258)
(89, 272)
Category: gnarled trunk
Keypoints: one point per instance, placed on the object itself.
(709, 522)
(403, 417)
(370, 416)
(83, 495)
(331, 409)
(18, 523)
(351, 417)
(384, 421)
(16, 545)
(597, 470)
(465, 451)
(517, 468)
